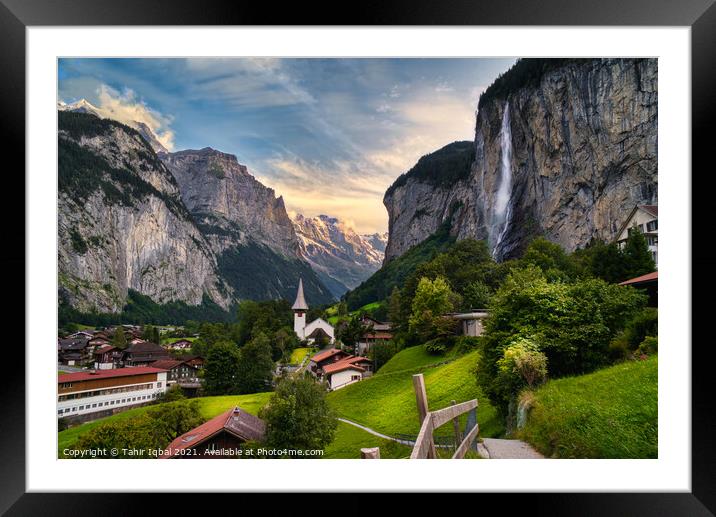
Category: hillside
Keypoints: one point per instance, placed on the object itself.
(386, 402)
(611, 413)
(393, 274)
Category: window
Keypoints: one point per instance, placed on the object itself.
(652, 226)
(159, 385)
(59, 411)
(94, 405)
(66, 385)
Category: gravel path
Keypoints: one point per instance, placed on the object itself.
(509, 449)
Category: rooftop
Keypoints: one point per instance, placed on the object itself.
(107, 374)
(236, 421)
(322, 356)
(300, 303)
(649, 277)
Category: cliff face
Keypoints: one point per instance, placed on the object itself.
(566, 153)
(122, 225)
(341, 257)
(246, 225)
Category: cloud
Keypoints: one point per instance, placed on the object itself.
(126, 108)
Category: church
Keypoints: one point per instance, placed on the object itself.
(312, 331)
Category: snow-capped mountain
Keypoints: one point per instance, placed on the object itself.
(341, 257)
(84, 106)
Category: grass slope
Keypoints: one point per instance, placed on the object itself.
(611, 413)
(350, 440)
(386, 402)
(298, 354)
(411, 358)
(209, 407)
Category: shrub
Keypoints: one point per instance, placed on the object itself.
(171, 395)
(466, 344)
(521, 365)
(649, 346)
(437, 346)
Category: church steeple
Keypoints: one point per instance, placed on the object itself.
(300, 303)
(299, 312)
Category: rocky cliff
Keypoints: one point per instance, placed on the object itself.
(246, 225)
(122, 224)
(341, 257)
(194, 227)
(563, 148)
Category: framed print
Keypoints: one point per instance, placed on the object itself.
(400, 237)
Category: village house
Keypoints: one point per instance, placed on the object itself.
(194, 360)
(74, 352)
(84, 396)
(178, 371)
(143, 353)
(225, 432)
(378, 333)
(649, 283)
(180, 345)
(317, 330)
(107, 357)
(322, 359)
(347, 371)
(643, 218)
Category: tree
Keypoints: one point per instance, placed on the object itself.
(255, 366)
(433, 299)
(222, 368)
(119, 339)
(550, 258)
(284, 341)
(342, 308)
(350, 331)
(151, 333)
(298, 416)
(636, 255)
(602, 260)
(380, 353)
(476, 295)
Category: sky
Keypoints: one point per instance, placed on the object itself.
(329, 135)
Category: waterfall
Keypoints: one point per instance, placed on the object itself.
(502, 210)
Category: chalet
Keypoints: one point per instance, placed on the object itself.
(347, 371)
(74, 352)
(378, 333)
(182, 344)
(81, 334)
(322, 359)
(218, 437)
(178, 371)
(194, 360)
(144, 353)
(644, 218)
(649, 283)
(107, 357)
(98, 393)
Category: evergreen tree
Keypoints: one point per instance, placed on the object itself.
(255, 366)
(637, 257)
(119, 339)
(222, 368)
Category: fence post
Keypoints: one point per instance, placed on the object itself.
(370, 453)
(456, 427)
(421, 399)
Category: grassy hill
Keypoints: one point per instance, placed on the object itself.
(411, 358)
(379, 286)
(611, 413)
(209, 407)
(386, 401)
(350, 440)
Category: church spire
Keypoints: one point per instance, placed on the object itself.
(300, 303)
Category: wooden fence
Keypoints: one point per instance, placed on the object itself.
(431, 420)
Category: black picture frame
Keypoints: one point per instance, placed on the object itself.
(699, 15)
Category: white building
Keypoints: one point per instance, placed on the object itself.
(644, 218)
(99, 393)
(472, 323)
(314, 329)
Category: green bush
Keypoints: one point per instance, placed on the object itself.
(572, 323)
(649, 346)
(437, 346)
